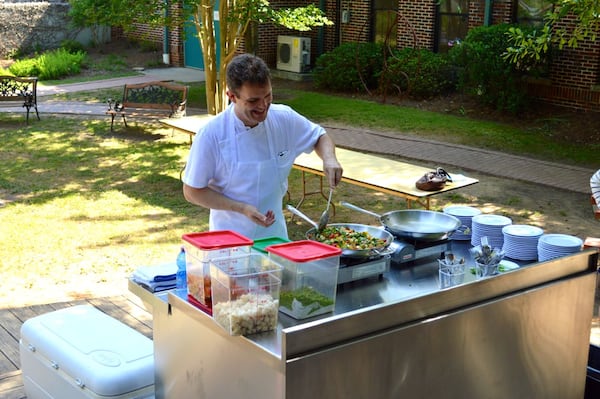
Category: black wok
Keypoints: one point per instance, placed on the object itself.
(376, 232)
(415, 224)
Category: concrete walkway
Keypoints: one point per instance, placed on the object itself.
(493, 163)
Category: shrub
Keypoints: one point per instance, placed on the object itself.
(25, 67)
(53, 64)
(485, 73)
(72, 46)
(349, 67)
(420, 73)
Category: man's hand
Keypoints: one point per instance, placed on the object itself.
(262, 220)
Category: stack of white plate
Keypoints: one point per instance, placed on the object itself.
(521, 241)
(489, 226)
(552, 246)
(465, 215)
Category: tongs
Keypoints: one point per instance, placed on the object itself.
(325, 215)
(303, 216)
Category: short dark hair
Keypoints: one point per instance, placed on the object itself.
(246, 68)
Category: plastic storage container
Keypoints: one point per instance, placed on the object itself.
(261, 244)
(200, 248)
(310, 274)
(80, 352)
(245, 293)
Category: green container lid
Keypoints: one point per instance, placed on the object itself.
(261, 243)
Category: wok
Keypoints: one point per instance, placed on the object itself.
(376, 232)
(415, 224)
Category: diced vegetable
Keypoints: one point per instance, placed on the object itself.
(345, 237)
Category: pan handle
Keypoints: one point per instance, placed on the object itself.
(356, 208)
(303, 216)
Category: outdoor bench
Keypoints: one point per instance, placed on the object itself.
(158, 98)
(22, 91)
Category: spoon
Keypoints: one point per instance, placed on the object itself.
(303, 216)
(325, 215)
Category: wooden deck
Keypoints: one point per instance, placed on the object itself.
(126, 308)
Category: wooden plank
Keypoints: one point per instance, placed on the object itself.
(9, 341)
(107, 306)
(11, 385)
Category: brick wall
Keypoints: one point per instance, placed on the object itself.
(416, 20)
(574, 76)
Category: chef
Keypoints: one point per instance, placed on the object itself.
(239, 162)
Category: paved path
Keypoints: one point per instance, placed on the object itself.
(494, 163)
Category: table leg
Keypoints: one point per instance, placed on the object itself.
(307, 193)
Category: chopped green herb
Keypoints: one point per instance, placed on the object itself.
(305, 295)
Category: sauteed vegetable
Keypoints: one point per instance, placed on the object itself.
(345, 237)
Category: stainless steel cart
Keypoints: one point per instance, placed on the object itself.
(521, 334)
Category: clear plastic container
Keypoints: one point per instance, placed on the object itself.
(309, 282)
(200, 248)
(245, 293)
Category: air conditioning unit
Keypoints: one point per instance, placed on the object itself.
(293, 53)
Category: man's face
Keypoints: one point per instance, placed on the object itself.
(252, 103)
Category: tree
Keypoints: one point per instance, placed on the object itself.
(568, 23)
(123, 13)
(235, 18)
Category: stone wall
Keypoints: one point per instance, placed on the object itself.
(39, 25)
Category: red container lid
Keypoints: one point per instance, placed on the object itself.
(217, 239)
(304, 251)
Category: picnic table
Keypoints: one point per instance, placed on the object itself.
(377, 173)
(366, 170)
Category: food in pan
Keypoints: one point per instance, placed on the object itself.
(345, 237)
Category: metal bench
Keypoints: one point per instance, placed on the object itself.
(151, 99)
(22, 91)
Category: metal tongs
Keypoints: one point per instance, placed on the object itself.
(324, 219)
(303, 216)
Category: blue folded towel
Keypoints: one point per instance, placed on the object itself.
(157, 273)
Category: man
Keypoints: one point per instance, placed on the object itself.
(595, 186)
(240, 161)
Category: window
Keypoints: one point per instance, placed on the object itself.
(385, 24)
(452, 23)
(531, 12)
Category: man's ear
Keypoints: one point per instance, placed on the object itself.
(230, 96)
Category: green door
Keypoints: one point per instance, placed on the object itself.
(192, 52)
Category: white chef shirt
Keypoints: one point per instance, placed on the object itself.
(232, 159)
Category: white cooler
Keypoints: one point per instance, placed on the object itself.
(80, 352)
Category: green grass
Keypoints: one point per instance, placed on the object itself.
(78, 201)
(331, 109)
(447, 128)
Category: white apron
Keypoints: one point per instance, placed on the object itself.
(257, 180)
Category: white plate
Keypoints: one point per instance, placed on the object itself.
(561, 240)
(522, 230)
(506, 266)
(492, 220)
(457, 210)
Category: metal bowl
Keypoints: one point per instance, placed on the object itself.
(420, 225)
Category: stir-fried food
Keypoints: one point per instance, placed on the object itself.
(345, 237)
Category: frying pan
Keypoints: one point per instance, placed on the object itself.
(415, 224)
(376, 232)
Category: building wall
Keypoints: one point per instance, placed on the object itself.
(573, 80)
